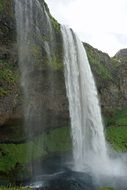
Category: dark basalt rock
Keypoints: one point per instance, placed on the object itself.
(121, 55)
(69, 180)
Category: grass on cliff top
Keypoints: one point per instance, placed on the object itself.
(97, 63)
(58, 140)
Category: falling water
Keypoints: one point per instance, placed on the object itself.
(86, 121)
(35, 42)
(30, 16)
(89, 145)
(90, 150)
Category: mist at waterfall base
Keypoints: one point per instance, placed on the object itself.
(94, 164)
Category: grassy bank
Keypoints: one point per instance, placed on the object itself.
(116, 132)
(58, 140)
(21, 188)
(117, 136)
(117, 118)
(14, 188)
(14, 157)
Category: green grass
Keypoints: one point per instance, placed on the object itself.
(3, 92)
(8, 78)
(116, 132)
(14, 188)
(58, 140)
(7, 6)
(56, 63)
(7, 75)
(55, 24)
(17, 154)
(1, 6)
(96, 59)
(118, 118)
(21, 188)
(7, 72)
(117, 136)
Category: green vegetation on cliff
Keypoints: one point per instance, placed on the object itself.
(6, 6)
(97, 60)
(8, 75)
(116, 131)
(14, 188)
(117, 136)
(117, 118)
(21, 188)
(54, 22)
(8, 78)
(57, 140)
(57, 57)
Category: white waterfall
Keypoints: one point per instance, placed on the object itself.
(86, 121)
(89, 145)
(34, 43)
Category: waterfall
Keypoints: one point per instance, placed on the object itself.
(35, 42)
(36, 49)
(33, 28)
(29, 17)
(86, 121)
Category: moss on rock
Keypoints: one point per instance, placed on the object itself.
(8, 78)
(97, 60)
(57, 140)
(116, 131)
(6, 6)
(14, 188)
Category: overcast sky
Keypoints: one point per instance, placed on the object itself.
(101, 23)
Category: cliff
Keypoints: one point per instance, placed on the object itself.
(11, 99)
(109, 73)
(9, 75)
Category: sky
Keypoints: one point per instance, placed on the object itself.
(101, 23)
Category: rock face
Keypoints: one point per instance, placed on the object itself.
(9, 86)
(121, 55)
(110, 74)
(54, 104)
